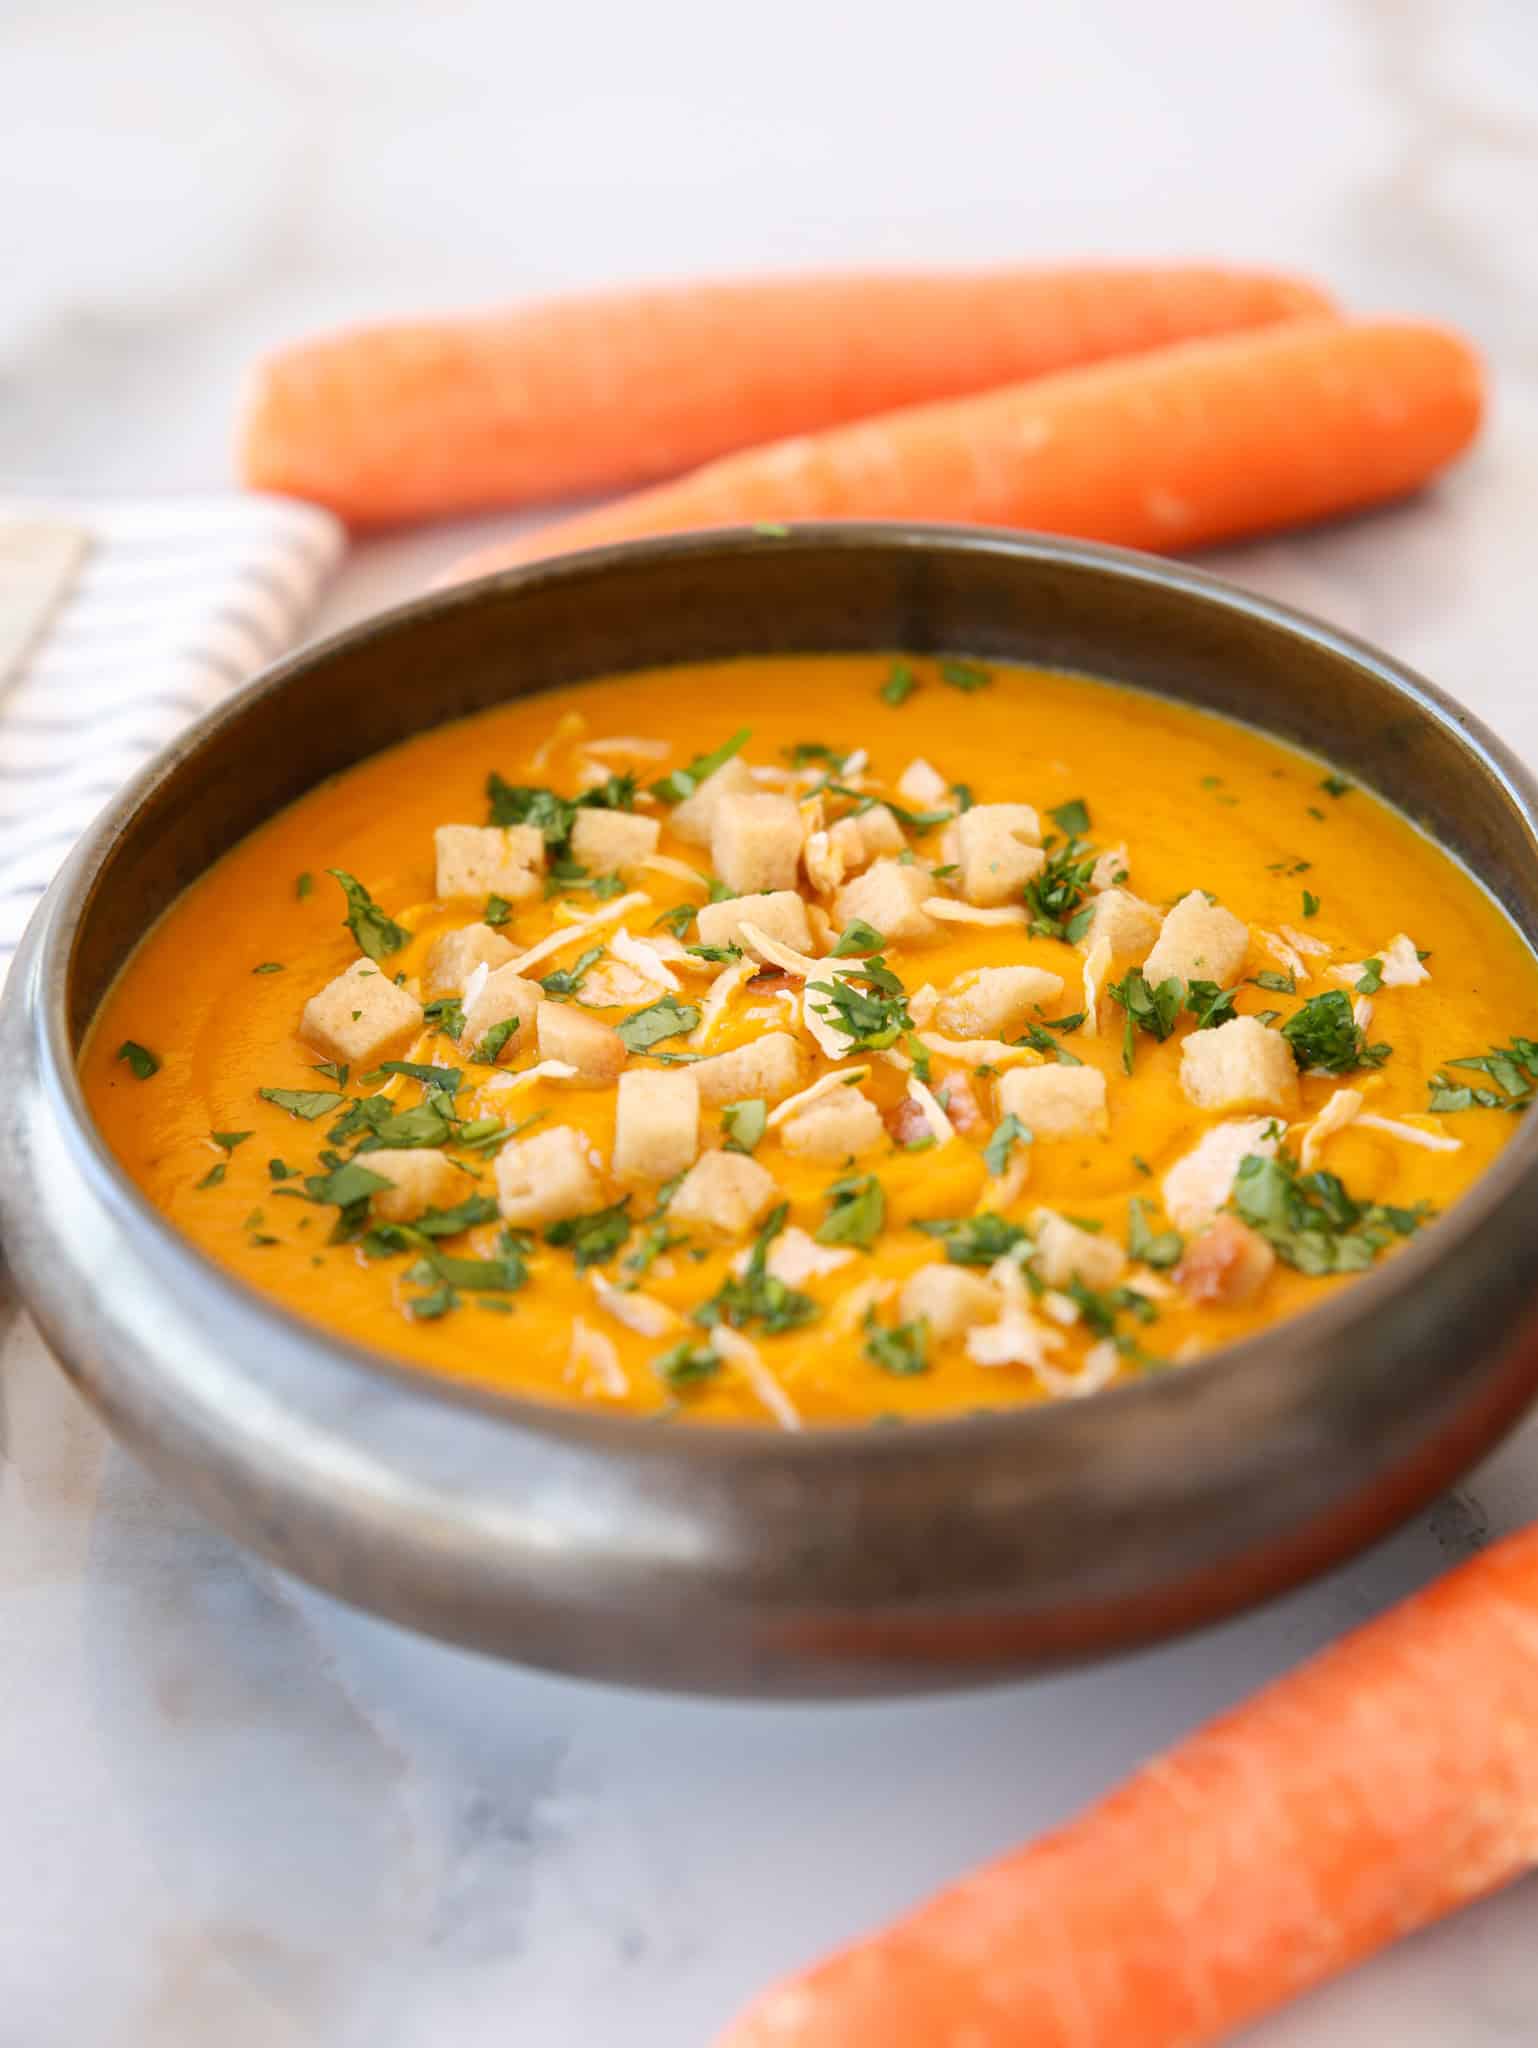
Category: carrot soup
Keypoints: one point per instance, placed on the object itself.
(818, 1040)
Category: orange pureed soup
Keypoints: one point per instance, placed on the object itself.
(817, 1039)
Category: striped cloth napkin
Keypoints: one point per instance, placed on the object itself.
(120, 620)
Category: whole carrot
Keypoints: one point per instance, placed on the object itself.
(406, 421)
(1199, 442)
(1388, 1782)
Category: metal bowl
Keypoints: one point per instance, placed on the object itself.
(738, 1560)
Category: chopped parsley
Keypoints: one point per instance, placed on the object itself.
(304, 884)
(594, 1237)
(447, 1079)
(1209, 1004)
(744, 1124)
(1335, 785)
(1039, 1038)
(720, 955)
(489, 1051)
(686, 1364)
(675, 921)
(1325, 1034)
(1371, 978)
(1006, 1135)
(1310, 904)
(1100, 1309)
(683, 782)
(447, 1013)
(964, 675)
(1055, 896)
(212, 1178)
(1513, 1068)
(857, 1213)
(975, 1240)
(858, 937)
(899, 685)
(755, 1295)
(805, 753)
(1154, 1010)
(269, 967)
(1153, 1247)
(1279, 984)
(565, 981)
(142, 1063)
(377, 934)
(1072, 817)
(498, 910)
(1311, 1222)
(308, 1103)
(902, 1350)
(868, 1004)
(665, 1018)
(228, 1140)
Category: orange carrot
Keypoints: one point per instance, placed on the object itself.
(1389, 1781)
(1199, 442)
(454, 415)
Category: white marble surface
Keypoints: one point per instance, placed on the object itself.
(233, 1811)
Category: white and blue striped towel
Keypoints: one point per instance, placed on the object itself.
(120, 620)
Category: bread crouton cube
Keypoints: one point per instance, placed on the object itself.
(361, 1016)
(838, 1126)
(781, 914)
(604, 842)
(489, 860)
(656, 1123)
(755, 843)
(890, 896)
(1064, 1252)
(949, 1299)
(1129, 926)
(725, 1192)
(1241, 1065)
(767, 1068)
(1056, 1101)
(454, 956)
(998, 850)
(546, 1178)
(594, 1048)
(419, 1180)
(1198, 941)
(994, 1002)
(504, 994)
(870, 835)
(693, 819)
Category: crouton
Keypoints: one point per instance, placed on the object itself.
(724, 1192)
(840, 1125)
(782, 914)
(594, 1048)
(486, 860)
(890, 896)
(693, 818)
(360, 1016)
(755, 843)
(1064, 1252)
(1110, 869)
(1198, 941)
(604, 842)
(546, 1178)
(1197, 1186)
(767, 1068)
(857, 841)
(1228, 1264)
(922, 783)
(1128, 925)
(993, 1002)
(1241, 1065)
(998, 849)
(949, 1299)
(418, 1180)
(1056, 1101)
(503, 994)
(656, 1123)
(454, 956)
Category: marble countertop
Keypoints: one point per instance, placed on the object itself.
(235, 1811)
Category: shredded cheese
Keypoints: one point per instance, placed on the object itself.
(593, 1355)
(642, 1313)
(846, 1077)
(717, 996)
(939, 1123)
(796, 1257)
(1343, 1108)
(570, 726)
(1097, 964)
(643, 956)
(543, 1070)
(950, 912)
(1400, 965)
(1412, 1134)
(1285, 956)
(979, 1052)
(629, 746)
(1305, 942)
(777, 954)
(680, 870)
(557, 942)
(736, 1350)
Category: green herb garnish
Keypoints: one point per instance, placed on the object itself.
(497, 912)
(857, 1213)
(447, 1013)
(1335, 785)
(683, 782)
(1311, 1222)
(899, 685)
(228, 1140)
(142, 1063)
(686, 1364)
(308, 1103)
(594, 1237)
(489, 1051)
(1154, 1248)
(1371, 978)
(858, 937)
(756, 1295)
(744, 1124)
(975, 1240)
(901, 1350)
(665, 1018)
(964, 675)
(868, 1003)
(269, 967)
(565, 981)
(1072, 817)
(377, 934)
(1325, 1034)
(1054, 897)
(212, 1178)
(1279, 984)
(1006, 1134)
(1310, 904)
(1513, 1068)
